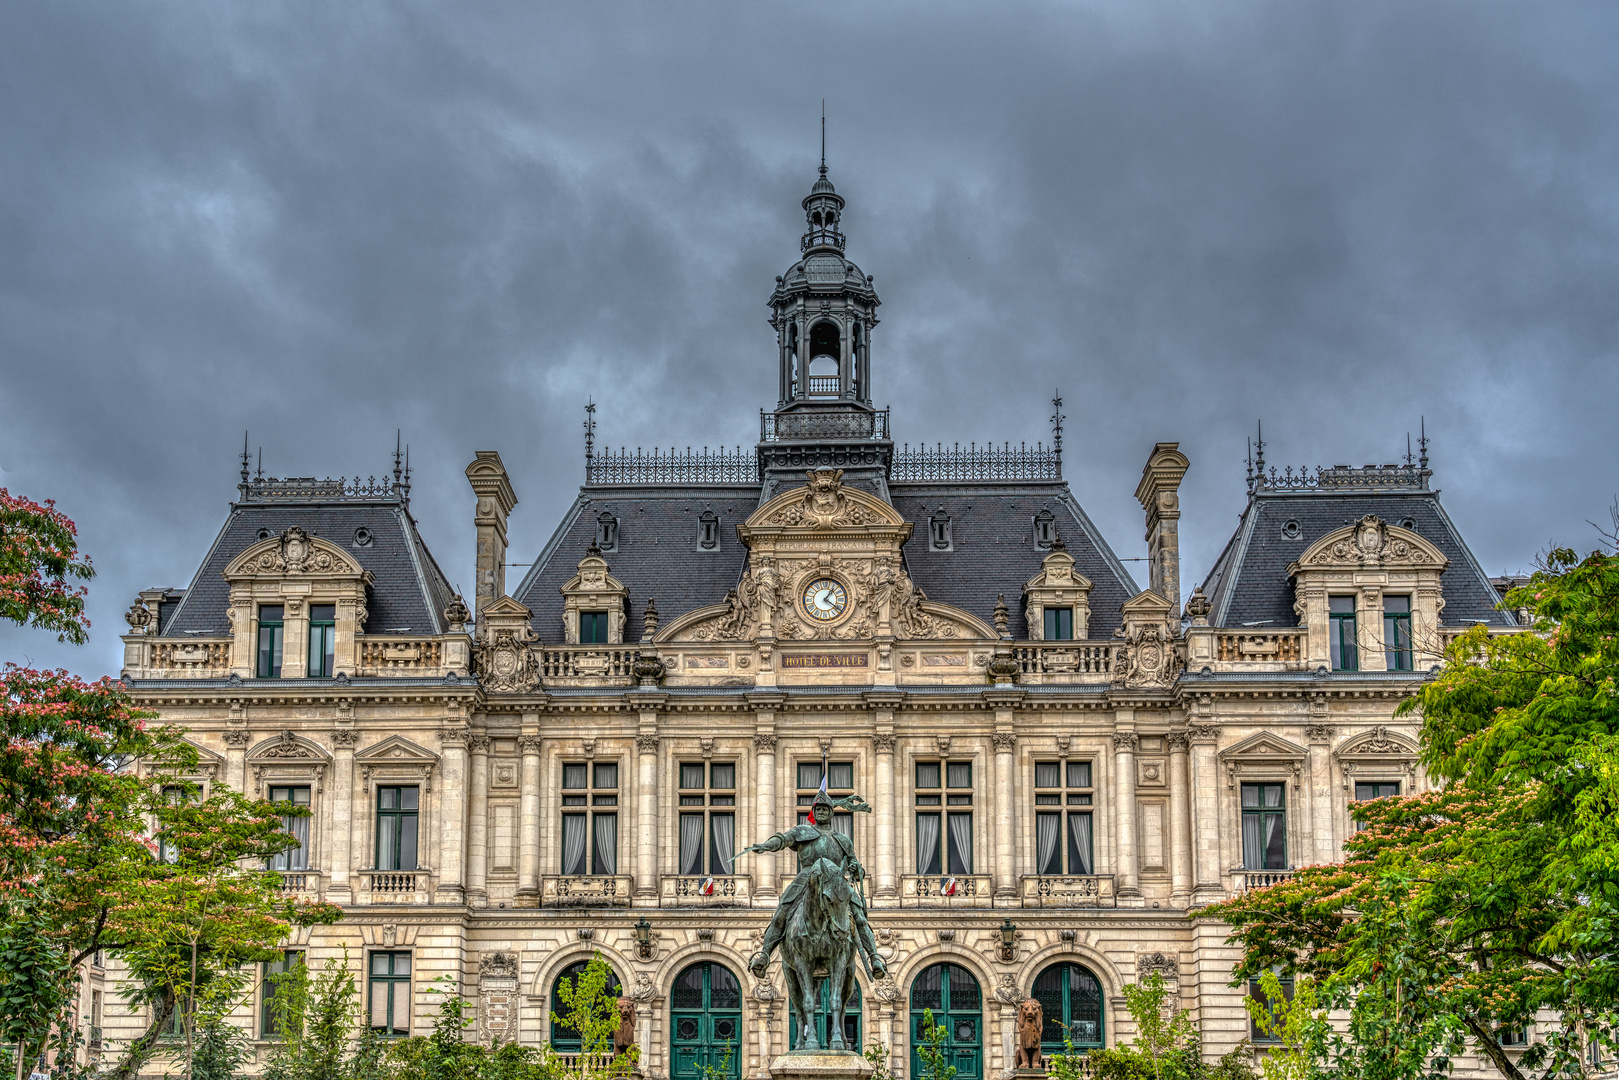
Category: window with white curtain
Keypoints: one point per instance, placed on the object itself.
(589, 818)
(1062, 818)
(707, 817)
(944, 817)
(298, 825)
(1264, 827)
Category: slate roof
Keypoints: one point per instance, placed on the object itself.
(1249, 582)
(409, 589)
(992, 527)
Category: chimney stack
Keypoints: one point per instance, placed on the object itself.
(495, 500)
(1159, 496)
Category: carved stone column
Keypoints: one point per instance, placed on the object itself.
(1005, 812)
(887, 885)
(1180, 835)
(1206, 869)
(763, 868)
(646, 799)
(528, 810)
(1124, 810)
(340, 889)
(1319, 736)
(452, 815)
(478, 823)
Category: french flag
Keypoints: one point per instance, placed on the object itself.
(947, 887)
(706, 888)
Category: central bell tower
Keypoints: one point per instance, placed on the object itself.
(823, 310)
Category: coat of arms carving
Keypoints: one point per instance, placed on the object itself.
(506, 664)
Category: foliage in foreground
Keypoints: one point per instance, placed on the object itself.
(1167, 1045)
(1467, 911)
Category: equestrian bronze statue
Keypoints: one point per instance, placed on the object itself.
(820, 923)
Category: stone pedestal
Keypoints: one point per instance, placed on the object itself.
(821, 1065)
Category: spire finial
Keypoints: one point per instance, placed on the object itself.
(590, 434)
(1422, 443)
(404, 489)
(247, 459)
(398, 441)
(1408, 458)
(1249, 461)
(260, 476)
(1056, 427)
(1259, 452)
(823, 136)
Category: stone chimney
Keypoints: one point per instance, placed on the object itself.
(495, 500)
(1159, 496)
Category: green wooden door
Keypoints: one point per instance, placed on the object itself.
(1071, 998)
(851, 1020)
(705, 1019)
(952, 994)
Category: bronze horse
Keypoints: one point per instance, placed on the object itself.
(820, 936)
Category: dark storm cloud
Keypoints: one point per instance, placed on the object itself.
(326, 222)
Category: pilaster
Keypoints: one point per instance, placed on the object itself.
(528, 812)
(1180, 825)
(478, 822)
(1125, 741)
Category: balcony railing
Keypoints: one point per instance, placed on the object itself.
(394, 886)
(194, 657)
(300, 882)
(1247, 880)
(852, 424)
(1064, 658)
(1079, 890)
(585, 890)
(1275, 646)
(701, 891)
(947, 890)
(588, 662)
(588, 1065)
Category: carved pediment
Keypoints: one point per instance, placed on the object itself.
(209, 763)
(1370, 542)
(1378, 741)
(288, 746)
(396, 750)
(1377, 753)
(294, 553)
(823, 503)
(1265, 756)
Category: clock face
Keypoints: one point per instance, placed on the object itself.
(824, 599)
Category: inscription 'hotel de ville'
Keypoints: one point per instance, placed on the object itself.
(1059, 762)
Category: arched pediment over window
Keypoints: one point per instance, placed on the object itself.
(294, 553)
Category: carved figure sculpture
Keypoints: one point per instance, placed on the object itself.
(820, 923)
(1030, 1022)
(624, 1034)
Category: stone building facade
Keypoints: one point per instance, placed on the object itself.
(1061, 764)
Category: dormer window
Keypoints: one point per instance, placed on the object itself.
(322, 640)
(593, 628)
(607, 531)
(1045, 529)
(939, 531)
(1059, 624)
(708, 531)
(271, 624)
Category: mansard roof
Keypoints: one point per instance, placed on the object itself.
(1249, 584)
(408, 588)
(658, 556)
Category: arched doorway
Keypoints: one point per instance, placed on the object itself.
(852, 1027)
(705, 1021)
(564, 1038)
(1071, 998)
(952, 994)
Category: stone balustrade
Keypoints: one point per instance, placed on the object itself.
(1265, 647)
(1247, 880)
(395, 886)
(190, 658)
(586, 890)
(390, 656)
(1044, 662)
(303, 883)
(594, 665)
(693, 890)
(1067, 891)
(946, 890)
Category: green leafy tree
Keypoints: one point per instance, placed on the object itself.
(36, 979)
(589, 1009)
(934, 1050)
(314, 1021)
(1167, 1045)
(1297, 1026)
(1470, 909)
(39, 557)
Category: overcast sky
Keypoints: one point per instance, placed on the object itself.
(324, 222)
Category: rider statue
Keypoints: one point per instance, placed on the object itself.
(812, 843)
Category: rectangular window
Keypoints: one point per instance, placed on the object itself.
(293, 858)
(322, 639)
(273, 971)
(93, 1036)
(1375, 790)
(590, 818)
(1264, 827)
(1062, 818)
(270, 628)
(390, 994)
(944, 836)
(1059, 624)
(1345, 653)
(839, 785)
(1513, 1037)
(1256, 1032)
(396, 828)
(593, 628)
(166, 851)
(1397, 632)
(707, 837)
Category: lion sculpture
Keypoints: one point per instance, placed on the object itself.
(624, 1034)
(1030, 1022)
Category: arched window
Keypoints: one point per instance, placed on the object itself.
(705, 1020)
(607, 531)
(939, 530)
(708, 531)
(566, 1039)
(1071, 999)
(950, 993)
(825, 350)
(1045, 529)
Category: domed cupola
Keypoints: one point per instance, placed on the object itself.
(823, 311)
